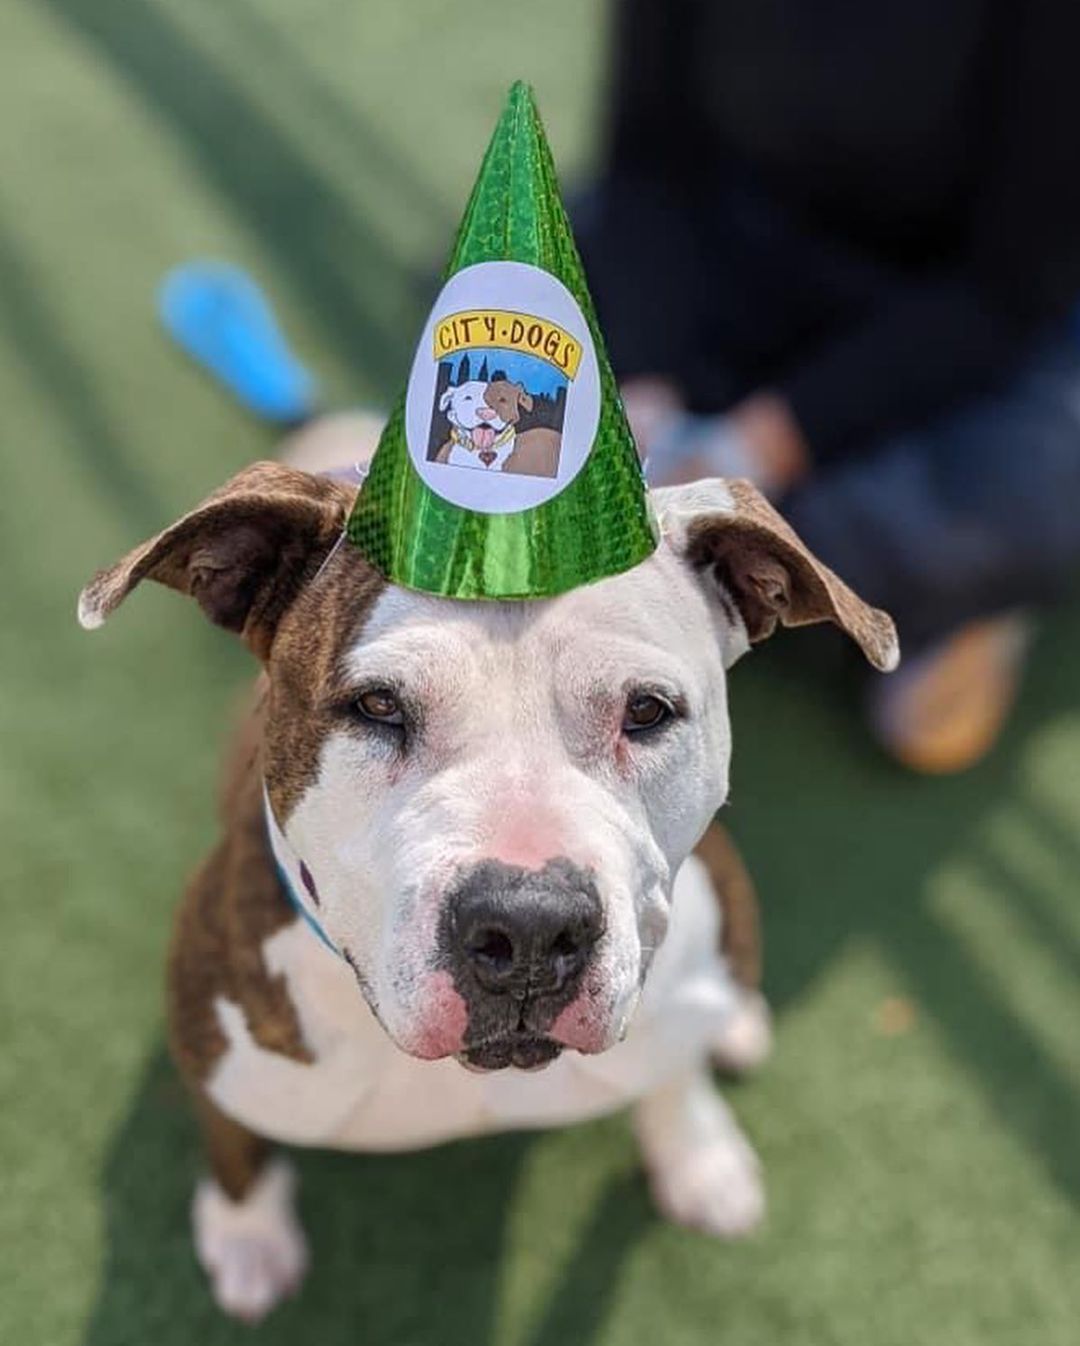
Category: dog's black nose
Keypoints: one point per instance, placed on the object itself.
(526, 932)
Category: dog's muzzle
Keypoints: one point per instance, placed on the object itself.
(517, 943)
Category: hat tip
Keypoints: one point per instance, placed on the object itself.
(521, 91)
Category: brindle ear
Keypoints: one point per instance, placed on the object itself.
(524, 396)
(728, 530)
(243, 554)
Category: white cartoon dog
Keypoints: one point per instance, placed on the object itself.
(479, 436)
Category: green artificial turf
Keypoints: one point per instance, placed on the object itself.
(923, 1183)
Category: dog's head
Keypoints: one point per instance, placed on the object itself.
(493, 798)
(508, 400)
(466, 408)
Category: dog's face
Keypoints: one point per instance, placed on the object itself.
(466, 408)
(502, 798)
(493, 799)
(508, 400)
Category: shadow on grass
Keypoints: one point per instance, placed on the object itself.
(405, 1248)
(848, 855)
(61, 374)
(380, 162)
(358, 288)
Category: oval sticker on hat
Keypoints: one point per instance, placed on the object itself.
(504, 396)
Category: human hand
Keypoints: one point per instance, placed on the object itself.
(759, 440)
(652, 404)
(773, 440)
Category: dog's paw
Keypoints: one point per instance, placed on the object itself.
(253, 1251)
(746, 1038)
(714, 1188)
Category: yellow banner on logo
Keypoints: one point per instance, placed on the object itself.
(508, 331)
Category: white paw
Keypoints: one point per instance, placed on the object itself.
(746, 1038)
(715, 1188)
(254, 1250)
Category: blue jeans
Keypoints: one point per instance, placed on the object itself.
(975, 513)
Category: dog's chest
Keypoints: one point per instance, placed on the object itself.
(361, 1092)
(491, 459)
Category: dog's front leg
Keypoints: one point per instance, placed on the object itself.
(702, 1170)
(247, 1237)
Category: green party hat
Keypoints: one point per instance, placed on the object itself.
(507, 469)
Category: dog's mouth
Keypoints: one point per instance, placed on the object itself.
(520, 1050)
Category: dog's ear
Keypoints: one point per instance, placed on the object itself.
(445, 400)
(730, 534)
(243, 554)
(524, 396)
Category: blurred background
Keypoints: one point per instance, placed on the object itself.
(920, 1121)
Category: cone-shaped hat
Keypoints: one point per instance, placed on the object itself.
(507, 469)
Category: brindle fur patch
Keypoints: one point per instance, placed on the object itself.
(776, 580)
(235, 903)
(244, 554)
(740, 939)
(236, 1155)
(312, 639)
(231, 907)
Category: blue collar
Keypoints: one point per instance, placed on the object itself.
(295, 876)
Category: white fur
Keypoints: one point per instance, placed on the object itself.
(519, 756)
(702, 1171)
(745, 1039)
(364, 1093)
(361, 1092)
(89, 612)
(253, 1251)
(521, 707)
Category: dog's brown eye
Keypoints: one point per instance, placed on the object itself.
(645, 711)
(381, 705)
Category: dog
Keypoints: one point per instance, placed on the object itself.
(535, 452)
(479, 435)
(468, 878)
(484, 418)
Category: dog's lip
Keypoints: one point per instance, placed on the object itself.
(523, 1051)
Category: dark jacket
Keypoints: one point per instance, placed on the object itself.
(872, 207)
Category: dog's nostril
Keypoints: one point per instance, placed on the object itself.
(494, 950)
(523, 932)
(565, 945)
(571, 947)
(493, 956)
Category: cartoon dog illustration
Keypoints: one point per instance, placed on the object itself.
(479, 435)
(483, 430)
(535, 452)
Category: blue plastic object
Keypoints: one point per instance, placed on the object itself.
(222, 319)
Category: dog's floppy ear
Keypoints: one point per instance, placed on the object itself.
(732, 536)
(524, 396)
(446, 399)
(243, 554)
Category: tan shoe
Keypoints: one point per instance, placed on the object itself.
(945, 710)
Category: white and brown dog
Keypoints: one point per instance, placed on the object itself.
(479, 436)
(489, 813)
(484, 430)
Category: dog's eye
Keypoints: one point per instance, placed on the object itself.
(381, 705)
(645, 710)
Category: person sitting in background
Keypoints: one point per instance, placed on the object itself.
(835, 249)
